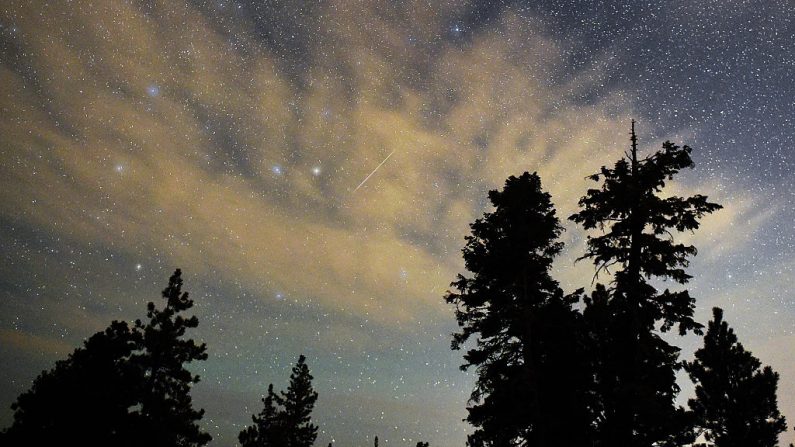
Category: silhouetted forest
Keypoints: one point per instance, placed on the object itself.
(554, 368)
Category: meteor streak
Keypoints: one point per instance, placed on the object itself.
(371, 174)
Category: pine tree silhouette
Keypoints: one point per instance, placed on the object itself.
(285, 420)
(299, 401)
(268, 429)
(533, 375)
(167, 417)
(636, 368)
(124, 387)
(735, 404)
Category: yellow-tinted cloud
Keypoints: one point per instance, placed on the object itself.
(30, 343)
(188, 169)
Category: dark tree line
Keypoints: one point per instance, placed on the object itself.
(552, 374)
(554, 369)
(129, 386)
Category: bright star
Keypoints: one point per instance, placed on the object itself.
(153, 90)
(316, 170)
(276, 169)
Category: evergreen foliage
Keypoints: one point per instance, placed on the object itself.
(735, 403)
(124, 387)
(84, 399)
(268, 425)
(285, 420)
(167, 417)
(532, 369)
(635, 368)
(298, 403)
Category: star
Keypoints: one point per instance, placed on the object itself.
(274, 112)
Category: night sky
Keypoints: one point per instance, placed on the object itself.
(231, 139)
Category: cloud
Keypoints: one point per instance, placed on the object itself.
(22, 342)
(143, 131)
(230, 144)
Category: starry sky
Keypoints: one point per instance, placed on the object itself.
(230, 138)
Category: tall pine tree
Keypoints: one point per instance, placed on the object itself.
(636, 368)
(735, 403)
(532, 374)
(167, 417)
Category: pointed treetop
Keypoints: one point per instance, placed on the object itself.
(735, 403)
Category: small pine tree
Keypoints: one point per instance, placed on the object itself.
(735, 403)
(299, 401)
(267, 430)
(285, 420)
